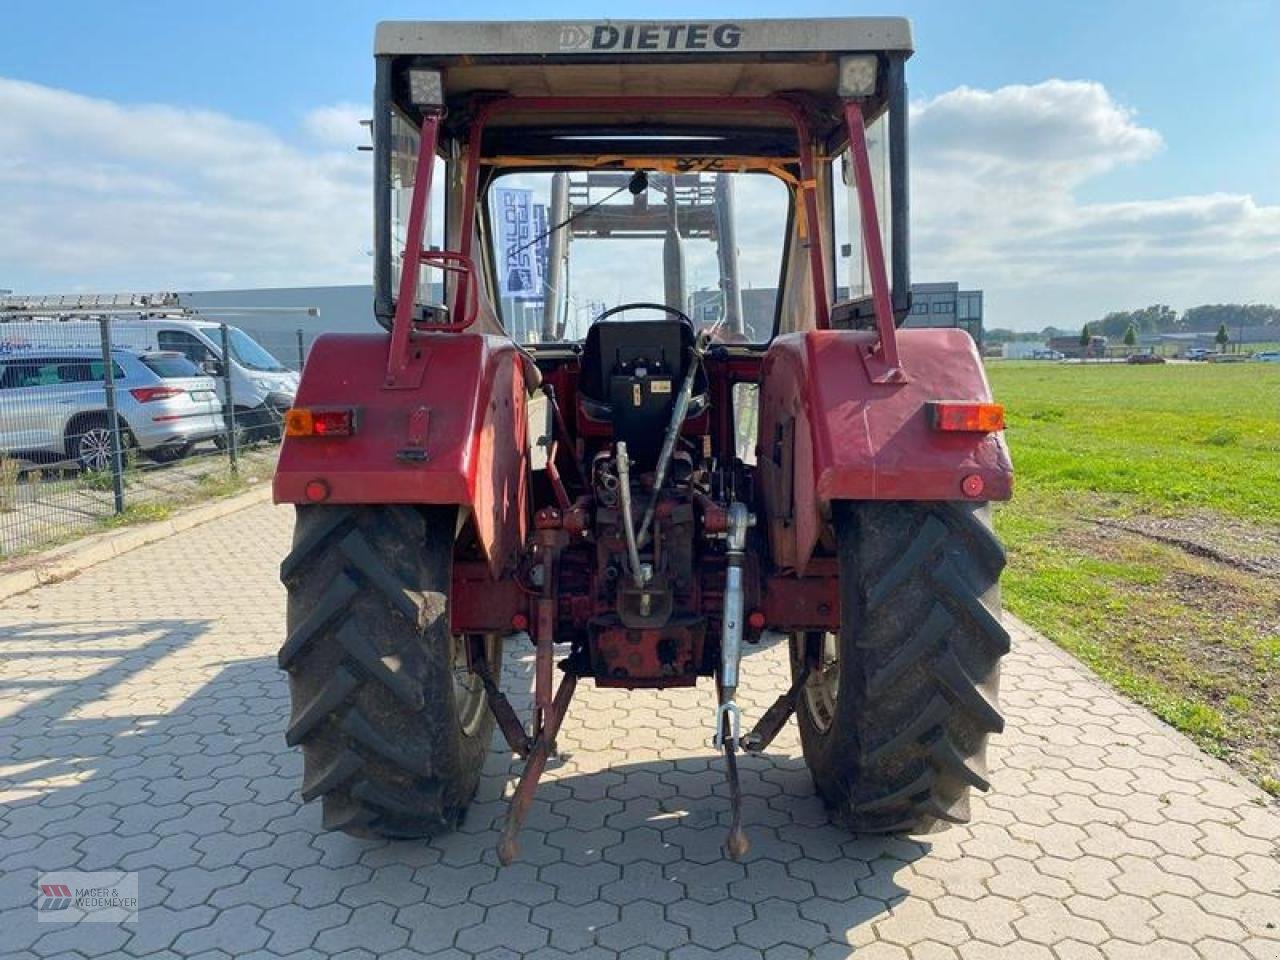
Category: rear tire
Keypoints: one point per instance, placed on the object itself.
(894, 727)
(88, 441)
(393, 731)
(249, 429)
(169, 454)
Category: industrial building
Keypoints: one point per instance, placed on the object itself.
(946, 305)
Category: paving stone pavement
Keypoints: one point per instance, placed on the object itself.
(141, 728)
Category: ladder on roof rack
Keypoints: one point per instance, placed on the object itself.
(59, 302)
(79, 306)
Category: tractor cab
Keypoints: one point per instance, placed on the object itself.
(629, 210)
(573, 174)
(642, 399)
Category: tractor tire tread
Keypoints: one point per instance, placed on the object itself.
(345, 765)
(370, 663)
(931, 534)
(362, 732)
(333, 603)
(924, 639)
(919, 660)
(317, 535)
(372, 571)
(318, 708)
(965, 693)
(391, 672)
(949, 760)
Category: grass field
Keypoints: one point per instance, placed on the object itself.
(1144, 537)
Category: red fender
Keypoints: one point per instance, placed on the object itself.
(466, 421)
(828, 432)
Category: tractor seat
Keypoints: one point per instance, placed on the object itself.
(631, 373)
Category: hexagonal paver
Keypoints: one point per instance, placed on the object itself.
(642, 924)
(150, 738)
(778, 922)
(574, 928)
(433, 928)
(370, 927)
(233, 931)
(294, 927)
(508, 926)
(642, 881)
(713, 928)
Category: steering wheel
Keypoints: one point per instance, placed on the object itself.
(660, 307)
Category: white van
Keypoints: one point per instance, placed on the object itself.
(262, 387)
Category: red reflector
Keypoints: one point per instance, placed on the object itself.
(973, 485)
(147, 394)
(755, 620)
(519, 621)
(332, 423)
(965, 417)
(316, 490)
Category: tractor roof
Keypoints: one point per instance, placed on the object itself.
(663, 60)
(628, 40)
(634, 58)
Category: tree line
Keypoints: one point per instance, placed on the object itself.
(1160, 318)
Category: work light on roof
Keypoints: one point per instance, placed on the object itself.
(426, 88)
(858, 75)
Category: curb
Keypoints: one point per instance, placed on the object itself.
(66, 561)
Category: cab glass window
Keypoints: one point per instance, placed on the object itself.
(710, 244)
(851, 273)
(405, 140)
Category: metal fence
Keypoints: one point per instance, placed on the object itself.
(99, 428)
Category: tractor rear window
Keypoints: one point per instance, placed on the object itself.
(568, 246)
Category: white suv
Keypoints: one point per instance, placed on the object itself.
(53, 404)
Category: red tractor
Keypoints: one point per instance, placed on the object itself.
(641, 397)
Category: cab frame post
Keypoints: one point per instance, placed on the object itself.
(399, 361)
(881, 361)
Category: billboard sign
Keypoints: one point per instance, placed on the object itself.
(520, 270)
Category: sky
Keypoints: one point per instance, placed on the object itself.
(1067, 158)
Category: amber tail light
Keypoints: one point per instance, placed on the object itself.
(952, 416)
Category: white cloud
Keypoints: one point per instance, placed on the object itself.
(1058, 132)
(995, 182)
(338, 125)
(102, 196)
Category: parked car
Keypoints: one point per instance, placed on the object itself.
(1145, 358)
(262, 387)
(1048, 355)
(1198, 353)
(1268, 356)
(53, 403)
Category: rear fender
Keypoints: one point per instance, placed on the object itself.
(458, 438)
(828, 432)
